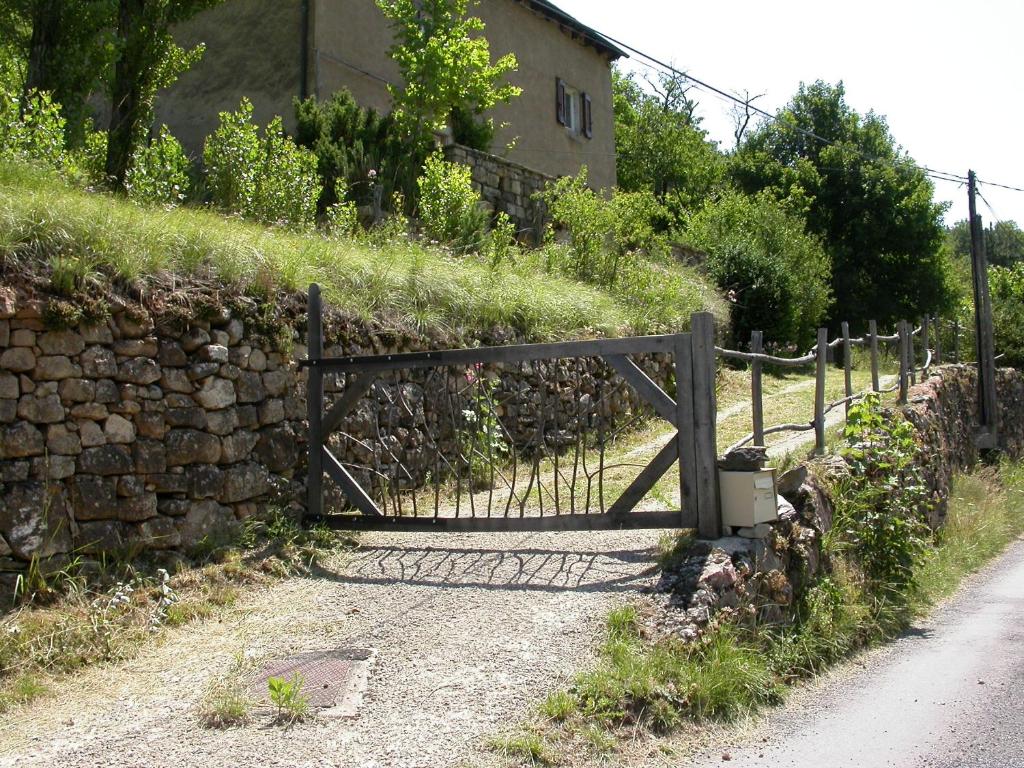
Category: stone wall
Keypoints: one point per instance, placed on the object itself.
(144, 431)
(506, 186)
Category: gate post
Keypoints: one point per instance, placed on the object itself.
(683, 352)
(709, 518)
(314, 403)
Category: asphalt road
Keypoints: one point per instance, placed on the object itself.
(949, 694)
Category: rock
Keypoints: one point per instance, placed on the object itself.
(216, 394)
(77, 391)
(134, 323)
(151, 424)
(100, 537)
(786, 510)
(244, 481)
(204, 482)
(5, 550)
(105, 460)
(34, 520)
(719, 574)
(55, 467)
(97, 334)
(176, 380)
(278, 448)
(8, 411)
(41, 410)
(171, 355)
(751, 457)
(61, 441)
(18, 359)
(55, 368)
(9, 386)
(167, 482)
(8, 307)
(136, 347)
(174, 507)
(191, 417)
(789, 484)
(149, 457)
(276, 382)
(257, 361)
(119, 430)
(237, 446)
(20, 440)
(213, 353)
(250, 387)
(107, 391)
(222, 422)
(14, 471)
(207, 520)
(90, 434)
(189, 446)
(137, 508)
(235, 331)
(93, 498)
(23, 337)
(130, 486)
(159, 533)
(98, 363)
(61, 343)
(139, 370)
(193, 339)
(759, 531)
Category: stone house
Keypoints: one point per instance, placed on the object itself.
(274, 50)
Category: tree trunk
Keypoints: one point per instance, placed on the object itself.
(126, 108)
(46, 18)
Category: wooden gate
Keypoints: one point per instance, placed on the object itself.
(481, 459)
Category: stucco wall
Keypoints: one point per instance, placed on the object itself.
(253, 48)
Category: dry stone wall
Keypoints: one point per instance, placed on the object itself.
(506, 186)
(138, 433)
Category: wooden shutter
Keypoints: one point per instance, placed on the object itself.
(560, 100)
(588, 118)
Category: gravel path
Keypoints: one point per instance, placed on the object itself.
(470, 630)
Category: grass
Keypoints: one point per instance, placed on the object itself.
(526, 748)
(226, 703)
(89, 615)
(88, 235)
(639, 686)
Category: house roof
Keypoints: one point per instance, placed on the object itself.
(576, 29)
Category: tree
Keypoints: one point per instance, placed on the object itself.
(445, 64)
(148, 59)
(871, 205)
(67, 49)
(1004, 242)
(659, 146)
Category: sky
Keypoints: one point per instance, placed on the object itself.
(945, 75)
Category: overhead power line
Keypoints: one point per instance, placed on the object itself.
(948, 176)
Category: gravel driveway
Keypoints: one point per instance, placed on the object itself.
(470, 630)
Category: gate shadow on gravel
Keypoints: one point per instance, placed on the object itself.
(527, 569)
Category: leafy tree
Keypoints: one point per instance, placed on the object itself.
(659, 146)
(1006, 285)
(1004, 242)
(148, 59)
(775, 274)
(66, 47)
(863, 195)
(445, 63)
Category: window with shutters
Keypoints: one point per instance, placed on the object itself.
(573, 109)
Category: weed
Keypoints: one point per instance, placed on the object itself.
(226, 702)
(558, 706)
(527, 747)
(292, 705)
(22, 690)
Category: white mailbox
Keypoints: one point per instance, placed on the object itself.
(748, 498)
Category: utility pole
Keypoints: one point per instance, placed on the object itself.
(984, 344)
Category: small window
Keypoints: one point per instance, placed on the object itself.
(573, 109)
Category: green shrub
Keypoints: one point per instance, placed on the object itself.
(449, 207)
(160, 172)
(776, 276)
(267, 178)
(1007, 290)
(350, 142)
(31, 128)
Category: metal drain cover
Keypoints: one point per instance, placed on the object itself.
(333, 680)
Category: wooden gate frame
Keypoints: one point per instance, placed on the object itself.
(693, 446)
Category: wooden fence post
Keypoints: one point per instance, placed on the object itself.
(904, 357)
(938, 341)
(819, 392)
(911, 355)
(873, 335)
(314, 403)
(925, 345)
(756, 402)
(709, 518)
(683, 351)
(956, 340)
(847, 364)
